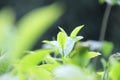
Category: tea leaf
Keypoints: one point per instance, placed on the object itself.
(75, 31)
(33, 59)
(62, 30)
(33, 25)
(61, 39)
(92, 54)
(115, 72)
(107, 48)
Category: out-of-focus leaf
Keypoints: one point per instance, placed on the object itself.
(75, 31)
(8, 76)
(7, 19)
(99, 75)
(4, 66)
(70, 72)
(92, 54)
(48, 67)
(46, 41)
(51, 60)
(81, 55)
(111, 2)
(38, 73)
(61, 39)
(33, 59)
(114, 58)
(33, 25)
(115, 72)
(27, 66)
(107, 48)
(35, 73)
(101, 1)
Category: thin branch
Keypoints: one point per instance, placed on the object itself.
(105, 21)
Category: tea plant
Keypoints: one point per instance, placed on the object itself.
(66, 58)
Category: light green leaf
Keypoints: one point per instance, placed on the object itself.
(75, 31)
(51, 60)
(92, 54)
(46, 41)
(33, 25)
(107, 48)
(61, 39)
(112, 2)
(28, 65)
(62, 30)
(7, 19)
(33, 59)
(115, 72)
(48, 67)
(71, 72)
(36, 73)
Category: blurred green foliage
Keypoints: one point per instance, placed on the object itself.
(67, 58)
(111, 2)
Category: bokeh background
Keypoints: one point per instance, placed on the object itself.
(77, 12)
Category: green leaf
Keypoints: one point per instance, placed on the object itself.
(28, 65)
(112, 2)
(62, 30)
(33, 59)
(61, 39)
(33, 25)
(115, 72)
(101, 1)
(53, 43)
(7, 19)
(36, 73)
(75, 31)
(92, 54)
(48, 67)
(70, 44)
(71, 72)
(51, 60)
(46, 41)
(107, 48)
(115, 1)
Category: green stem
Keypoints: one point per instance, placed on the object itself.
(105, 21)
(105, 76)
(63, 55)
(106, 72)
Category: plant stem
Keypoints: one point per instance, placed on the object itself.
(106, 72)
(105, 21)
(105, 76)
